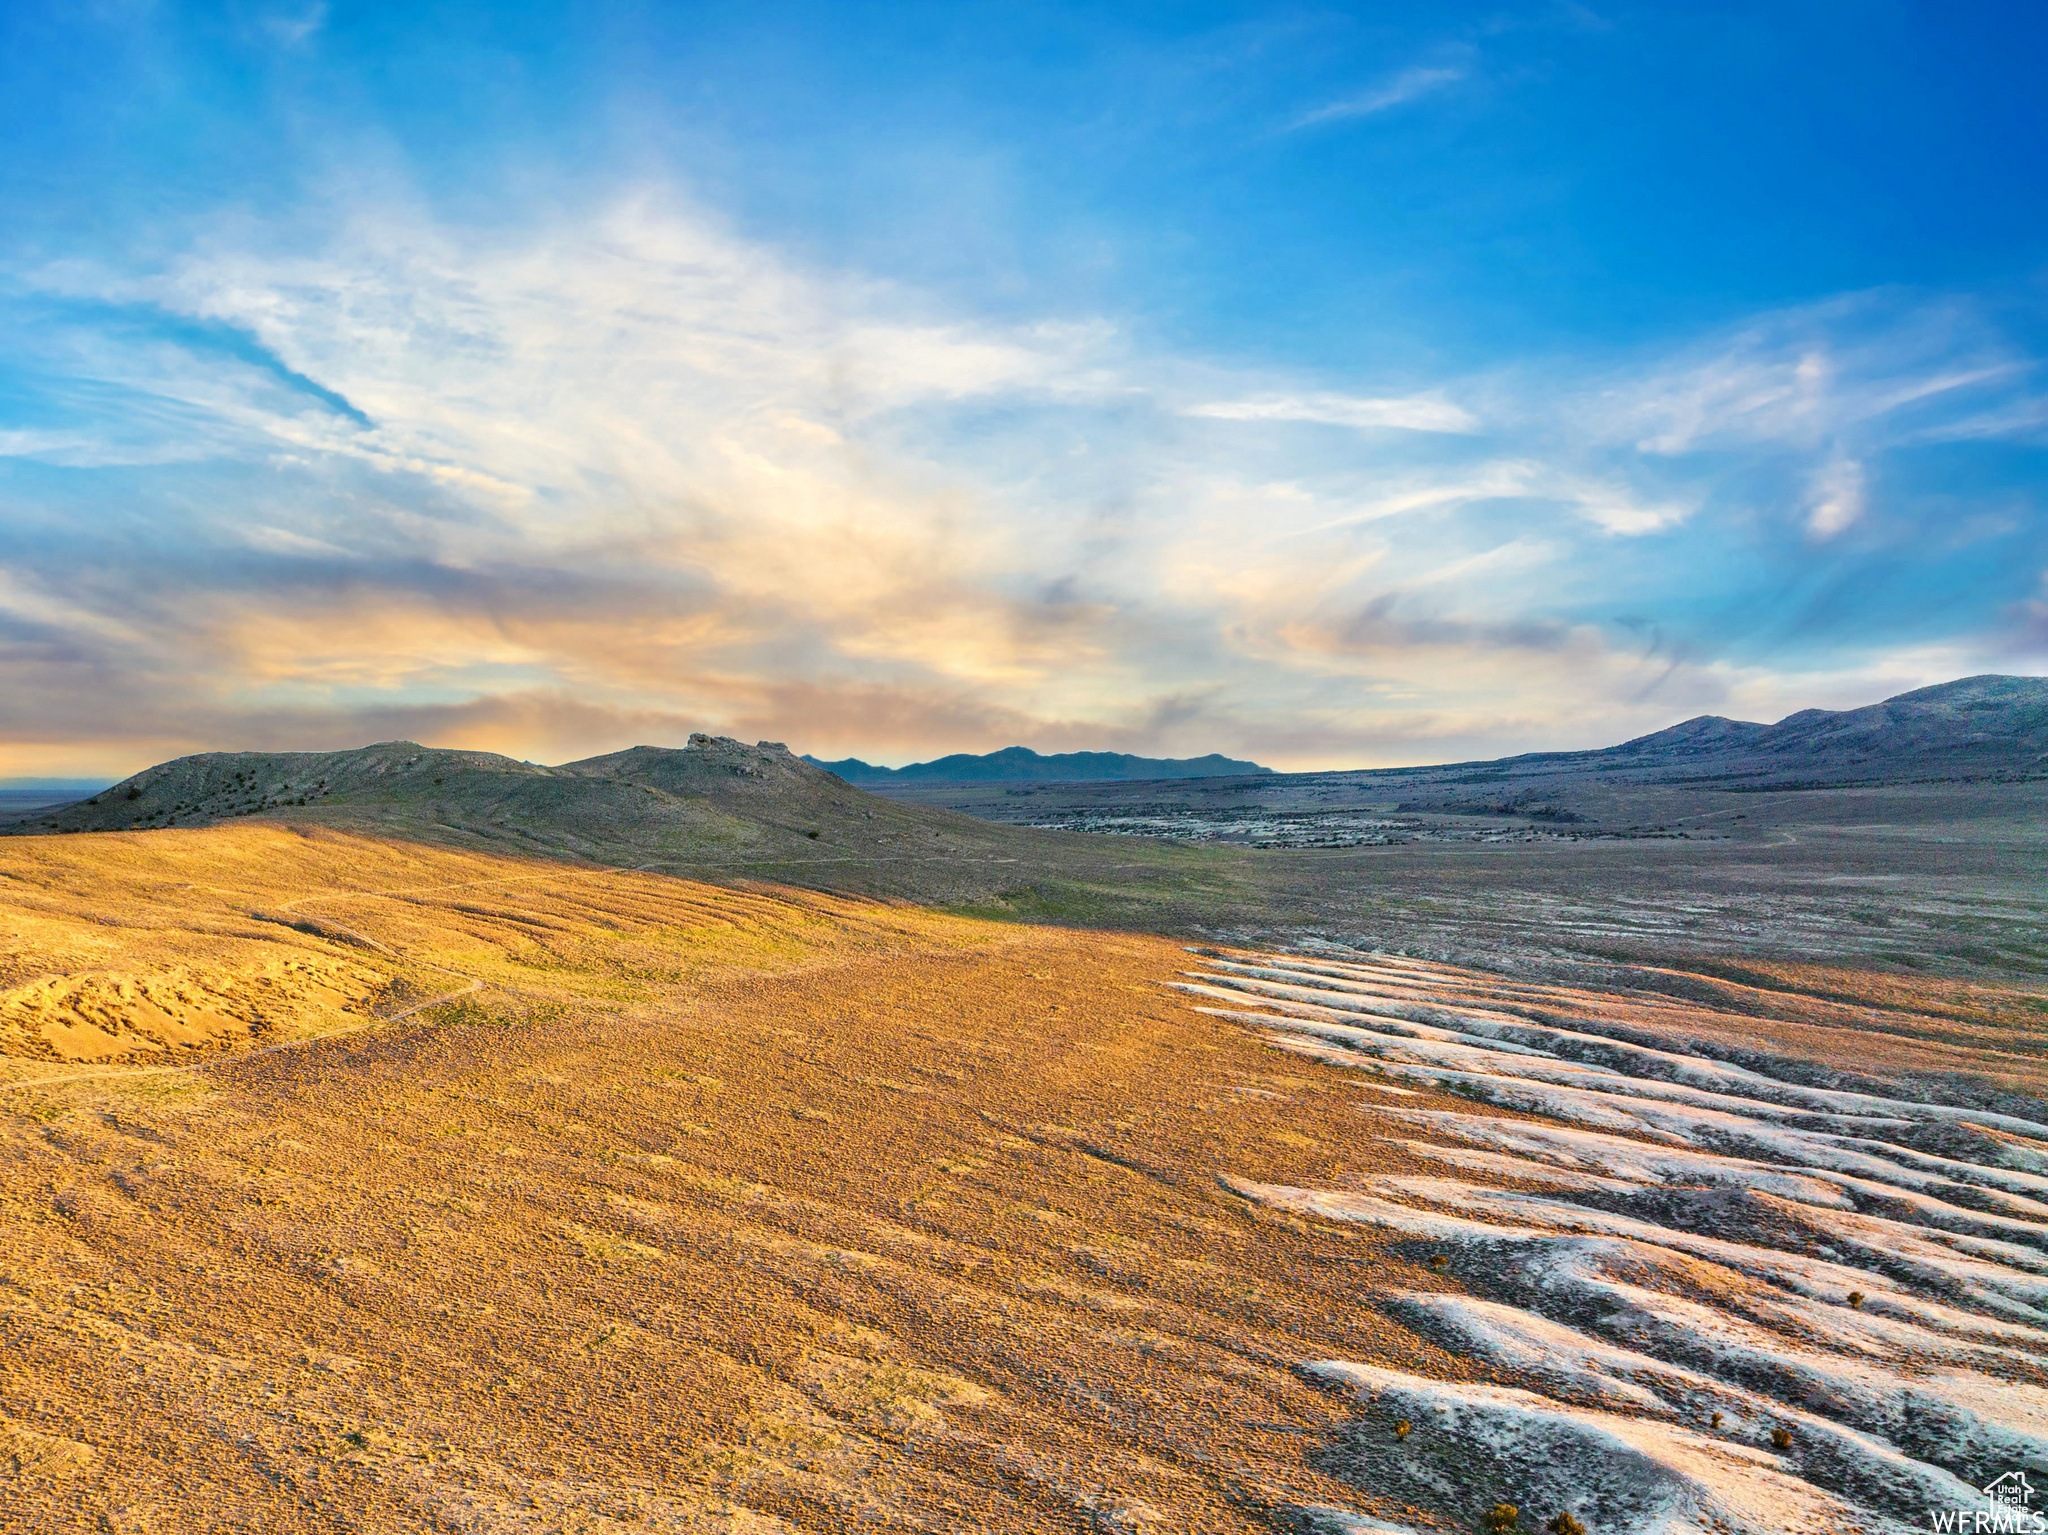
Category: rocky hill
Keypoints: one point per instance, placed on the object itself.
(715, 801)
(722, 808)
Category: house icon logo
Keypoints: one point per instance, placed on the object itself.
(2008, 1510)
(2012, 1490)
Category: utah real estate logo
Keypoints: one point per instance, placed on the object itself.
(2008, 1510)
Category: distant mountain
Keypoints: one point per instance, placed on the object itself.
(1988, 727)
(1019, 764)
(720, 802)
(1978, 725)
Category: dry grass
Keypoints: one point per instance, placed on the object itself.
(709, 1209)
(161, 947)
(1998, 1008)
(712, 1209)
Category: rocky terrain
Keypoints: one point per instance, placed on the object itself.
(1708, 1286)
(651, 798)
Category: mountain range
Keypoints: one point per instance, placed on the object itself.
(1986, 726)
(718, 801)
(1019, 764)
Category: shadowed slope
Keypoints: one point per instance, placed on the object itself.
(1976, 725)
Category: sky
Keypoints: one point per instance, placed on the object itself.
(1329, 385)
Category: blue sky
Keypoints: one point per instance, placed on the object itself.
(1335, 385)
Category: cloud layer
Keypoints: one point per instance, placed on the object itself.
(605, 474)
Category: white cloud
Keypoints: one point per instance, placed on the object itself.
(287, 541)
(639, 461)
(59, 447)
(1409, 84)
(1836, 500)
(1415, 413)
(1614, 509)
(1874, 365)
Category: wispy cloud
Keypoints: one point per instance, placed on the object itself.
(1410, 84)
(293, 29)
(1837, 498)
(1874, 363)
(1415, 413)
(624, 474)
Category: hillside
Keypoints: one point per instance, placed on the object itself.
(1975, 727)
(720, 799)
(1937, 768)
(717, 808)
(714, 801)
(1617, 850)
(1019, 764)
(1988, 725)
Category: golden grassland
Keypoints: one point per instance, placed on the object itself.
(149, 947)
(712, 1209)
(674, 1207)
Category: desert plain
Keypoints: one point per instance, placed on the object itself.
(858, 1165)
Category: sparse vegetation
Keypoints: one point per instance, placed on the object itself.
(773, 1145)
(672, 1206)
